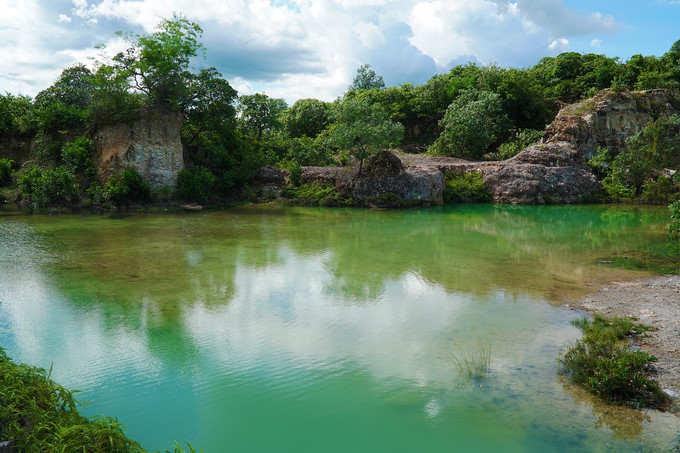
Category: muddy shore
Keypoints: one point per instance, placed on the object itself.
(654, 301)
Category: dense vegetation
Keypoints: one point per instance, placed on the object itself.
(605, 364)
(471, 111)
(39, 415)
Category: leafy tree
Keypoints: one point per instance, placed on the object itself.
(366, 79)
(258, 112)
(472, 124)
(73, 88)
(16, 114)
(362, 128)
(209, 109)
(158, 64)
(306, 117)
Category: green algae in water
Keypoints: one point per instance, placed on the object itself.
(276, 329)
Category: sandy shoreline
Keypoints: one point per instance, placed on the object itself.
(654, 301)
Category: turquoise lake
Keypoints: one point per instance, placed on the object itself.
(265, 328)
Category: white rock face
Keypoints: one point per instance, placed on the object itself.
(151, 145)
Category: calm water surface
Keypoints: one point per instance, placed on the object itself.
(263, 329)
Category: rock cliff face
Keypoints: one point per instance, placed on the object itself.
(150, 144)
(609, 119)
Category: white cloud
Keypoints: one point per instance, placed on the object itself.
(307, 48)
(560, 45)
(369, 34)
(597, 43)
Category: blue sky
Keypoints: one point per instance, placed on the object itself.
(311, 48)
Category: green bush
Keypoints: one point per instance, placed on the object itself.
(473, 123)
(49, 186)
(294, 171)
(77, 155)
(195, 185)
(520, 140)
(658, 191)
(6, 172)
(605, 364)
(315, 194)
(466, 188)
(127, 187)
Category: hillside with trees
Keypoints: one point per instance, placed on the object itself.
(471, 111)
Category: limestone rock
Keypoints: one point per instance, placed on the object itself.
(384, 165)
(538, 184)
(610, 118)
(151, 145)
(269, 175)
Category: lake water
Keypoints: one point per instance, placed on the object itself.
(261, 328)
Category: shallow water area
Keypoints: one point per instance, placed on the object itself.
(264, 328)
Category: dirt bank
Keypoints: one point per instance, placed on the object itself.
(654, 301)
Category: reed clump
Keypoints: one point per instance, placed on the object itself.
(473, 363)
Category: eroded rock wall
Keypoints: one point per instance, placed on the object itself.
(609, 119)
(151, 145)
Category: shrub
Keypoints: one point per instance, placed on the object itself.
(49, 186)
(6, 172)
(605, 364)
(315, 194)
(128, 186)
(195, 185)
(294, 171)
(520, 140)
(77, 155)
(466, 188)
(658, 191)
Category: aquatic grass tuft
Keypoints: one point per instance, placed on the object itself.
(473, 364)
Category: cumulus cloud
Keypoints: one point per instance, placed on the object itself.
(300, 48)
(369, 34)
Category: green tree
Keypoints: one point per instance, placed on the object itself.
(158, 64)
(258, 113)
(306, 117)
(362, 128)
(209, 110)
(366, 79)
(73, 88)
(472, 124)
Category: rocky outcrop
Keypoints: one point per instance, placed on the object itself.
(543, 173)
(385, 173)
(610, 118)
(151, 145)
(540, 174)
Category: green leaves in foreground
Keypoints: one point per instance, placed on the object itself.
(606, 365)
(39, 415)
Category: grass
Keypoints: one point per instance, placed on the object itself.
(605, 364)
(39, 415)
(473, 364)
